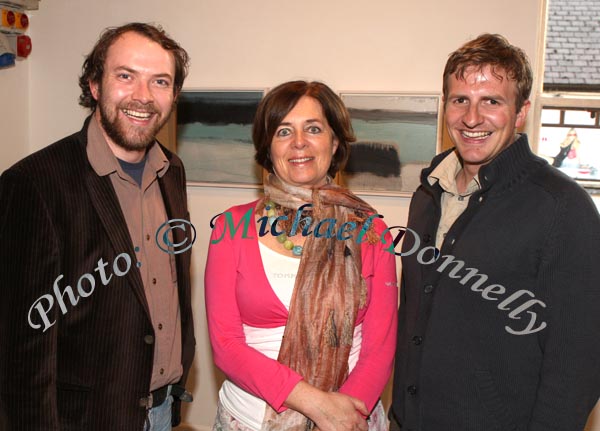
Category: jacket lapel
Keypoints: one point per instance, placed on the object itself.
(107, 206)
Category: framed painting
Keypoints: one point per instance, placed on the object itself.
(214, 137)
(397, 136)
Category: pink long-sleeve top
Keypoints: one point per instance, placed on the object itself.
(238, 292)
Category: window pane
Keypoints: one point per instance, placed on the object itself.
(579, 117)
(550, 116)
(572, 36)
(574, 151)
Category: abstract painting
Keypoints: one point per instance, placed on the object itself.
(397, 136)
(214, 136)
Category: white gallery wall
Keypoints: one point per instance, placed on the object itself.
(383, 45)
(386, 45)
(14, 114)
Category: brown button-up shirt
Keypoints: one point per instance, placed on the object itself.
(144, 211)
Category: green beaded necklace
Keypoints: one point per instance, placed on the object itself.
(283, 239)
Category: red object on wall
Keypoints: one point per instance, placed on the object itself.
(14, 22)
(8, 18)
(22, 21)
(23, 46)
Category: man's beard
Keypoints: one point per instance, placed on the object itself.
(128, 136)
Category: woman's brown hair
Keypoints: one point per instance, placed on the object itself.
(281, 100)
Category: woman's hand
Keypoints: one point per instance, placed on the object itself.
(341, 412)
(330, 411)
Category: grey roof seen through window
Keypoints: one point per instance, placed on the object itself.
(573, 45)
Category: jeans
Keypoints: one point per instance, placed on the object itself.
(159, 417)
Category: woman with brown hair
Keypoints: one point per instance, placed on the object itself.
(302, 309)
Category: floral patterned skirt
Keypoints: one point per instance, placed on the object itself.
(225, 422)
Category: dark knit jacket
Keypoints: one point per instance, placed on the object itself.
(502, 331)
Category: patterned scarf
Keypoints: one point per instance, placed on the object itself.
(328, 292)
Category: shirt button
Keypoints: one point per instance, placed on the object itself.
(160, 326)
(426, 237)
(147, 237)
(412, 390)
(417, 339)
(154, 281)
(149, 339)
(480, 198)
(162, 371)
(428, 288)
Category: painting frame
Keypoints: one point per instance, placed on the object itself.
(401, 114)
(217, 136)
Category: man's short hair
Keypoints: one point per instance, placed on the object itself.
(93, 66)
(495, 51)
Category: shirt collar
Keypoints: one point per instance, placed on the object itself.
(104, 162)
(445, 173)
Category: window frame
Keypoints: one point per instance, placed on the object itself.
(558, 96)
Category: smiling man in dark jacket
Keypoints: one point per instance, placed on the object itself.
(499, 320)
(96, 327)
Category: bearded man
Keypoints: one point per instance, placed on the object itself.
(95, 319)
